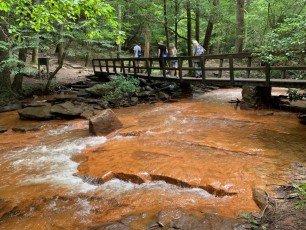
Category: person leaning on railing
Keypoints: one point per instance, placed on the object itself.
(198, 51)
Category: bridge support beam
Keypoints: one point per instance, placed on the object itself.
(256, 97)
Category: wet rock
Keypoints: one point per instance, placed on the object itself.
(6, 207)
(10, 107)
(3, 130)
(100, 90)
(303, 119)
(261, 199)
(24, 129)
(119, 225)
(144, 94)
(34, 104)
(64, 97)
(256, 96)
(208, 222)
(66, 109)
(163, 96)
(36, 113)
(134, 100)
(104, 123)
(87, 114)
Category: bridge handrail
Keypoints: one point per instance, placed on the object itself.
(128, 66)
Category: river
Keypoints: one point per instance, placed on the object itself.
(199, 155)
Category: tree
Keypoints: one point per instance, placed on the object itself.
(240, 25)
(286, 42)
(80, 21)
(210, 24)
(5, 82)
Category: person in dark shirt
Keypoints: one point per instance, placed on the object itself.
(162, 54)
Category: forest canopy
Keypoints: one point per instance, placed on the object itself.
(87, 28)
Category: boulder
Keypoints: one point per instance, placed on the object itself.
(66, 109)
(36, 113)
(104, 123)
(256, 96)
(100, 90)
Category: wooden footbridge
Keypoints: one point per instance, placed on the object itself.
(234, 70)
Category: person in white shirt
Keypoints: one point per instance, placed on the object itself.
(137, 54)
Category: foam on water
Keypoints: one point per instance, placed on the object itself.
(118, 187)
(52, 164)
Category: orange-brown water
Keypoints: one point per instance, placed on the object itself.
(197, 154)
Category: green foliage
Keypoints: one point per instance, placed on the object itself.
(295, 95)
(122, 87)
(255, 224)
(300, 193)
(287, 42)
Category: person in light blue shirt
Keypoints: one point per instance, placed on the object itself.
(198, 51)
(137, 54)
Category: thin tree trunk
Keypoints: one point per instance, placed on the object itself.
(176, 22)
(210, 24)
(17, 83)
(5, 81)
(119, 28)
(166, 23)
(147, 40)
(197, 21)
(61, 62)
(189, 32)
(35, 55)
(240, 25)
(87, 58)
(61, 46)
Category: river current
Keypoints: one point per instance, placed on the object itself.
(195, 155)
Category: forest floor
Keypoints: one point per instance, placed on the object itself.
(282, 213)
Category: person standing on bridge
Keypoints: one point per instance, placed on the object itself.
(173, 62)
(198, 51)
(162, 53)
(137, 54)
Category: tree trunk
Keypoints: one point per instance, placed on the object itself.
(17, 83)
(176, 22)
(189, 32)
(119, 28)
(210, 24)
(197, 22)
(35, 55)
(61, 62)
(240, 25)
(166, 23)
(147, 40)
(5, 81)
(61, 46)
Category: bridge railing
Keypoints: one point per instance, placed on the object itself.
(228, 68)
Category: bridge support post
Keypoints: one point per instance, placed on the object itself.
(256, 97)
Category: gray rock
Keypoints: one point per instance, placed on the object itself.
(24, 129)
(10, 107)
(36, 113)
(3, 130)
(66, 109)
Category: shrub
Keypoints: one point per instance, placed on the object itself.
(300, 193)
(123, 87)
